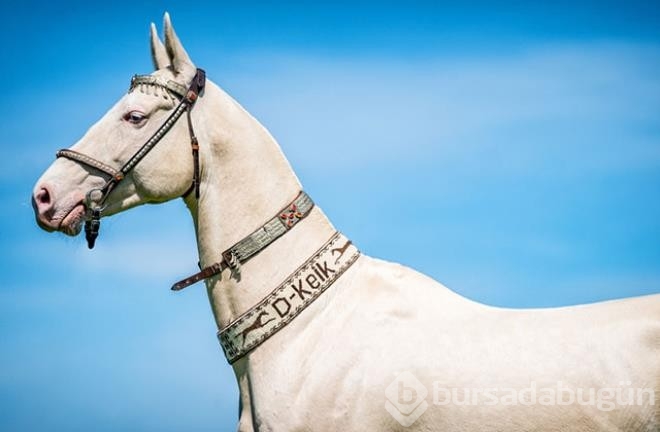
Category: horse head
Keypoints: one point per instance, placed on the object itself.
(105, 171)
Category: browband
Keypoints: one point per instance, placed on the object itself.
(142, 82)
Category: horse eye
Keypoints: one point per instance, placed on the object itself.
(135, 117)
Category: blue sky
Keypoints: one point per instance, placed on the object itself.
(509, 150)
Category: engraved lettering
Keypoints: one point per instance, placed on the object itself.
(324, 269)
(318, 273)
(312, 281)
(284, 304)
(300, 290)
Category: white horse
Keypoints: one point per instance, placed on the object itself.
(383, 347)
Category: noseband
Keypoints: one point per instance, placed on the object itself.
(95, 198)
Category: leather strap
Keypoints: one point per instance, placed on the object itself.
(143, 82)
(188, 98)
(254, 243)
(196, 86)
(289, 299)
(286, 219)
(205, 273)
(87, 160)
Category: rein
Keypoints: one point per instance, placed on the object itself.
(95, 198)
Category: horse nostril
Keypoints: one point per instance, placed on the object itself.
(43, 197)
(43, 202)
(44, 205)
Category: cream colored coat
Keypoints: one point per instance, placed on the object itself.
(330, 369)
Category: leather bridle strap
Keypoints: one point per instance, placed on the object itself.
(188, 98)
(196, 86)
(87, 160)
(254, 243)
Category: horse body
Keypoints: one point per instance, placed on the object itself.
(331, 367)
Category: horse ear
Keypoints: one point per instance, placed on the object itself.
(181, 63)
(158, 52)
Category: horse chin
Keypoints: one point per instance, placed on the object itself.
(72, 223)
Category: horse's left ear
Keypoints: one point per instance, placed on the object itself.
(181, 63)
(159, 55)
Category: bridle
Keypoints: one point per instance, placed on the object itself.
(96, 198)
(284, 303)
(237, 254)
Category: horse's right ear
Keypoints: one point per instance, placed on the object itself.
(159, 55)
(181, 63)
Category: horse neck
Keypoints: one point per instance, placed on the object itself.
(246, 180)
